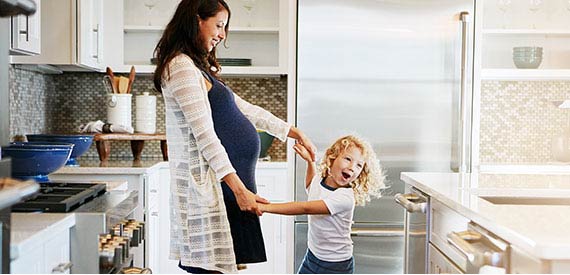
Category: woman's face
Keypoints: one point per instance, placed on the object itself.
(347, 167)
(212, 29)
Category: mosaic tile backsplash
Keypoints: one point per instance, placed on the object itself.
(518, 120)
(42, 103)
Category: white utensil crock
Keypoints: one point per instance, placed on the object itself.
(145, 113)
(119, 109)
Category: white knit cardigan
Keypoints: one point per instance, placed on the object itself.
(199, 228)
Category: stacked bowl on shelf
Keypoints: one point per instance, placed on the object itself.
(527, 57)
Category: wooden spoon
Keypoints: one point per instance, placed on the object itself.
(123, 85)
(131, 79)
(111, 75)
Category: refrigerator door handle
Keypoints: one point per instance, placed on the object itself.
(465, 96)
(367, 232)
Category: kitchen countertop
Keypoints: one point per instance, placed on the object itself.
(128, 167)
(29, 229)
(541, 230)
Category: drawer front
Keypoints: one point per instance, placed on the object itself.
(439, 264)
(271, 183)
(444, 220)
(57, 257)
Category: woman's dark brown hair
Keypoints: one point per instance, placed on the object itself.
(181, 36)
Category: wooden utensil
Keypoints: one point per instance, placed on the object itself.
(123, 85)
(131, 79)
(111, 75)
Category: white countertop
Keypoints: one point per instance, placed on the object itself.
(540, 230)
(129, 167)
(29, 229)
(126, 167)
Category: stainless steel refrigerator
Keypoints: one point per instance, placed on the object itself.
(399, 73)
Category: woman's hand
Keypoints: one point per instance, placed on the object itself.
(246, 200)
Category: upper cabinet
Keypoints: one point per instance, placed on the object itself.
(26, 33)
(72, 35)
(259, 41)
(504, 25)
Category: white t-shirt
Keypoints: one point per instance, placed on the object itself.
(329, 235)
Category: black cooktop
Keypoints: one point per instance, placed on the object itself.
(60, 197)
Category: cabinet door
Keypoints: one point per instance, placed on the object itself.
(32, 262)
(90, 33)
(273, 236)
(272, 183)
(26, 33)
(153, 240)
(57, 257)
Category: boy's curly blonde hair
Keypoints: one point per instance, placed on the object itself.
(370, 182)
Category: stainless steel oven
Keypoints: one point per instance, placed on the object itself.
(416, 230)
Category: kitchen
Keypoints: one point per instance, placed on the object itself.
(513, 122)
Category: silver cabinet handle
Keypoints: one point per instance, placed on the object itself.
(27, 30)
(96, 55)
(459, 241)
(153, 190)
(62, 268)
(363, 232)
(411, 202)
(154, 214)
(465, 98)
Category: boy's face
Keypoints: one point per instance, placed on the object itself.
(347, 166)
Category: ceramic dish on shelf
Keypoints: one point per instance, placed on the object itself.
(235, 61)
(527, 57)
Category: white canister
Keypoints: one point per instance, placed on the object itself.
(119, 109)
(145, 114)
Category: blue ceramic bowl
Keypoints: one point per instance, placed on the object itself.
(35, 160)
(81, 142)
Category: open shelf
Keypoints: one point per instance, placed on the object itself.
(546, 32)
(227, 71)
(525, 74)
(253, 30)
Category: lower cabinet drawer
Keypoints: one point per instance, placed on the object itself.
(439, 264)
(445, 220)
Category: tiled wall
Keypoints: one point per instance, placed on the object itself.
(60, 103)
(518, 120)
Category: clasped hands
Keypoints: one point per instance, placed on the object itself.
(248, 201)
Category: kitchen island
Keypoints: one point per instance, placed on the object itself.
(531, 212)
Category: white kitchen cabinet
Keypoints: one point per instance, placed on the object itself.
(51, 256)
(72, 34)
(500, 28)
(271, 180)
(266, 37)
(25, 36)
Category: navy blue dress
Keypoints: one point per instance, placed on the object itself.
(241, 141)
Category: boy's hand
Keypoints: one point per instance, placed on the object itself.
(302, 152)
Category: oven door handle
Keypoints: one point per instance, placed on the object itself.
(411, 202)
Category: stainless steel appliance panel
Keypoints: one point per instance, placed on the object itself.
(398, 73)
(377, 248)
